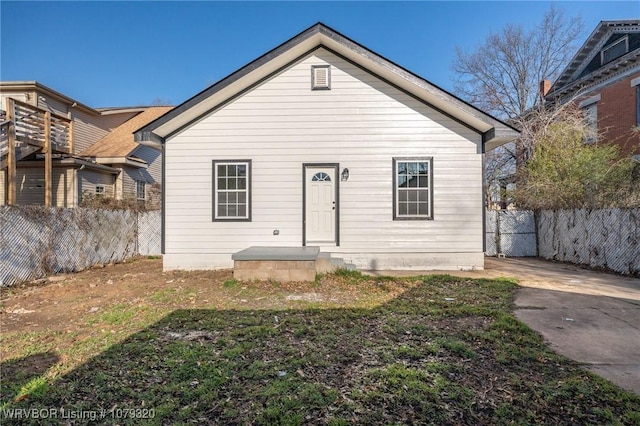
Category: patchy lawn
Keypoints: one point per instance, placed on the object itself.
(128, 342)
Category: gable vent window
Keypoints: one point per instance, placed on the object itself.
(320, 77)
(614, 50)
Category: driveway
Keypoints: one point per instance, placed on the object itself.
(590, 317)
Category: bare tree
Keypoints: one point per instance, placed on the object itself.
(502, 75)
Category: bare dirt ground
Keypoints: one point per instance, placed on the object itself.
(67, 302)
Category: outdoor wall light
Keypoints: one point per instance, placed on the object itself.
(345, 174)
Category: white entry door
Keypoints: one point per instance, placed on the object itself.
(320, 204)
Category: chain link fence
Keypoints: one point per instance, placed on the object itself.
(510, 233)
(36, 241)
(604, 238)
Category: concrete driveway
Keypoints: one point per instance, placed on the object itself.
(590, 317)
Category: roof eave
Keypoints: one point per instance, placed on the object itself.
(586, 50)
(499, 136)
(628, 62)
(315, 37)
(34, 85)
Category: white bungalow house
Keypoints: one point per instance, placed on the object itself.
(321, 142)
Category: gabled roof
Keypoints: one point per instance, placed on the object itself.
(572, 77)
(120, 142)
(494, 131)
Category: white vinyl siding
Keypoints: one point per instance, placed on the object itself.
(88, 179)
(362, 123)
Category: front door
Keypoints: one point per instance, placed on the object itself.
(321, 209)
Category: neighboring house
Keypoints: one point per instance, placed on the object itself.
(604, 78)
(33, 115)
(322, 142)
(139, 166)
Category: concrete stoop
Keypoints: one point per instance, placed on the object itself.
(284, 263)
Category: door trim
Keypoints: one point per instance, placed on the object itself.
(336, 167)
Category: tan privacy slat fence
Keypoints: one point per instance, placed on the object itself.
(605, 238)
(36, 241)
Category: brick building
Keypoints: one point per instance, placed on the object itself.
(604, 78)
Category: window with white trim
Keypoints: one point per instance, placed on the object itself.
(99, 189)
(141, 190)
(232, 190)
(412, 188)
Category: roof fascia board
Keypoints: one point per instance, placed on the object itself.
(89, 165)
(120, 161)
(237, 95)
(401, 89)
(225, 101)
(590, 48)
(155, 144)
(34, 85)
(230, 79)
(598, 79)
(113, 111)
(69, 162)
(236, 83)
(415, 85)
(309, 40)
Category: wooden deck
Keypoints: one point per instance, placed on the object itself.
(25, 130)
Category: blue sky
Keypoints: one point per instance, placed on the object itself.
(132, 53)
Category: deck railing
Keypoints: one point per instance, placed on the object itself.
(31, 127)
(26, 130)
(4, 129)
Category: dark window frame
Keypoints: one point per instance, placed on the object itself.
(216, 217)
(396, 214)
(621, 41)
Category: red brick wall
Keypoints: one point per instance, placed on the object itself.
(617, 114)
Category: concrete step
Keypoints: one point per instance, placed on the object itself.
(337, 262)
(349, 267)
(285, 263)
